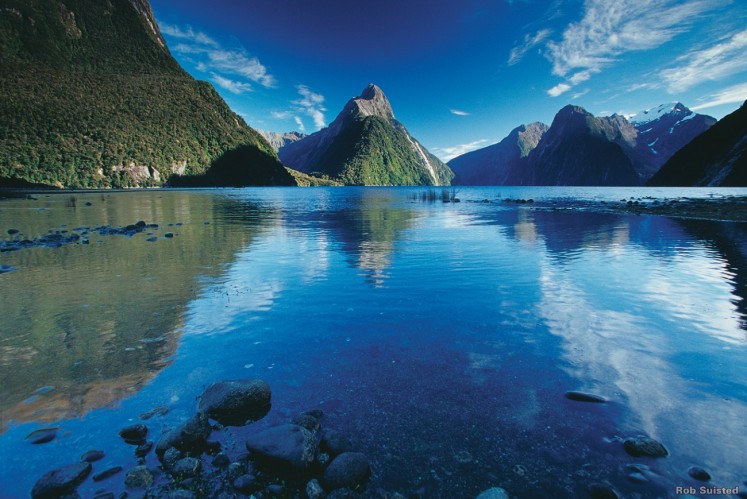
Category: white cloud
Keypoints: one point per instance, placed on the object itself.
(281, 115)
(299, 122)
(236, 87)
(530, 41)
(449, 153)
(209, 56)
(311, 104)
(578, 95)
(610, 28)
(187, 33)
(736, 94)
(558, 89)
(713, 63)
(459, 112)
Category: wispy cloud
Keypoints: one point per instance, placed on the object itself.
(580, 94)
(311, 104)
(528, 43)
(235, 87)
(459, 112)
(187, 33)
(736, 94)
(449, 153)
(610, 28)
(210, 57)
(725, 58)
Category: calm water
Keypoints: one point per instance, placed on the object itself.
(439, 337)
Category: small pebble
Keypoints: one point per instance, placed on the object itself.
(107, 473)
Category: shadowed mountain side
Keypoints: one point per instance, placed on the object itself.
(503, 163)
(91, 97)
(717, 157)
(96, 341)
(243, 166)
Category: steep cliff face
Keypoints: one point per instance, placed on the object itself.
(664, 130)
(717, 157)
(280, 140)
(580, 149)
(91, 97)
(503, 163)
(366, 145)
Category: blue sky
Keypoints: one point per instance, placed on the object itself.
(460, 74)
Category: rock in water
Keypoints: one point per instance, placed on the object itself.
(642, 445)
(190, 436)
(349, 469)
(335, 443)
(699, 473)
(288, 446)
(585, 397)
(236, 402)
(61, 481)
(493, 493)
(42, 435)
(134, 434)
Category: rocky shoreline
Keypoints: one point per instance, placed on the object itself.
(727, 209)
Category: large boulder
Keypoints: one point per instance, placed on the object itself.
(642, 445)
(349, 469)
(290, 447)
(191, 436)
(61, 481)
(236, 402)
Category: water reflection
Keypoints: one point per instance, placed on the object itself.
(92, 324)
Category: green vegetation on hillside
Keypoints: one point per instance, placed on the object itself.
(371, 151)
(90, 97)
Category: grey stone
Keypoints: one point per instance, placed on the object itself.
(236, 402)
(314, 489)
(289, 446)
(138, 477)
(642, 445)
(187, 467)
(349, 469)
(191, 436)
(61, 481)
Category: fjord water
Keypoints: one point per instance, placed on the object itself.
(440, 337)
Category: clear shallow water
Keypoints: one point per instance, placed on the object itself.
(439, 337)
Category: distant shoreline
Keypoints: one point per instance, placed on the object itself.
(724, 209)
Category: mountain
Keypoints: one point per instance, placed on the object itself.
(503, 163)
(664, 130)
(717, 157)
(280, 140)
(581, 149)
(366, 145)
(91, 97)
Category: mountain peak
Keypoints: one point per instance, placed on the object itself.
(657, 112)
(373, 102)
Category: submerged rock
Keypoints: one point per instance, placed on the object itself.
(642, 445)
(61, 481)
(236, 402)
(42, 435)
(334, 443)
(92, 456)
(602, 491)
(107, 473)
(190, 436)
(187, 467)
(349, 469)
(585, 397)
(134, 434)
(699, 473)
(138, 477)
(289, 446)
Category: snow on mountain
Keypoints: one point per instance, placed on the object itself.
(641, 118)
